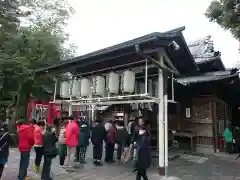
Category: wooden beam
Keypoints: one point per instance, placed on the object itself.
(158, 64)
(179, 117)
(168, 61)
(164, 67)
(214, 121)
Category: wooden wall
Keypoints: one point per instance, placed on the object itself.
(206, 114)
(200, 121)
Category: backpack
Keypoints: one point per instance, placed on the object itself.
(227, 135)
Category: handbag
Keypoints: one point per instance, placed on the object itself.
(126, 155)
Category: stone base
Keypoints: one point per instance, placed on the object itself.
(156, 177)
(161, 171)
(170, 178)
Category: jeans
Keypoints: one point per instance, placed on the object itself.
(141, 173)
(97, 152)
(62, 153)
(120, 149)
(46, 168)
(23, 166)
(62, 159)
(39, 154)
(129, 138)
(229, 147)
(1, 169)
(109, 151)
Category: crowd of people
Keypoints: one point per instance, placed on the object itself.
(70, 143)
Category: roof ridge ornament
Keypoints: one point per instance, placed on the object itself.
(203, 48)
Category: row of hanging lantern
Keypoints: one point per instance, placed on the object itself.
(98, 85)
(39, 111)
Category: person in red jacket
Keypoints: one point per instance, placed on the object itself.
(38, 144)
(25, 143)
(72, 135)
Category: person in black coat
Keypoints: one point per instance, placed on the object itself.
(236, 135)
(50, 151)
(141, 141)
(4, 146)
(143, 155)
(121, 138)
(99, 134)
(135, 131)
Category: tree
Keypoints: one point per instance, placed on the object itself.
(31, 48)
(227, 14)
(55, 13)
(39, 43)
(9, 24)
(8, 19)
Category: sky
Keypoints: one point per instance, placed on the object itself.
(97, 24)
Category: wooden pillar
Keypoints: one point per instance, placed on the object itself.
(125, 119)
(225, 115)
(179, 116)
(161, 163)
(214, 121)
(165, 124)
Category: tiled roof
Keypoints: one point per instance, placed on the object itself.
(207, 77)
(127, 49)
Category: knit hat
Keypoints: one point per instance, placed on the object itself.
(21, 121)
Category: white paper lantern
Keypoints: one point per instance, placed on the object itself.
(65, 89)
(76, 88)
(128, 82)
(85, 87)
(113, 83)
(99, 85)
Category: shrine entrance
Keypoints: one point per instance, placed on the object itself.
(135, 73)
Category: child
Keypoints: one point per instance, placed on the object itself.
(62, 143)
(38, 144)
(4, 147)
(49, 151)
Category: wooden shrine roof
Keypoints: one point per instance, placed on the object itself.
(125, 52)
